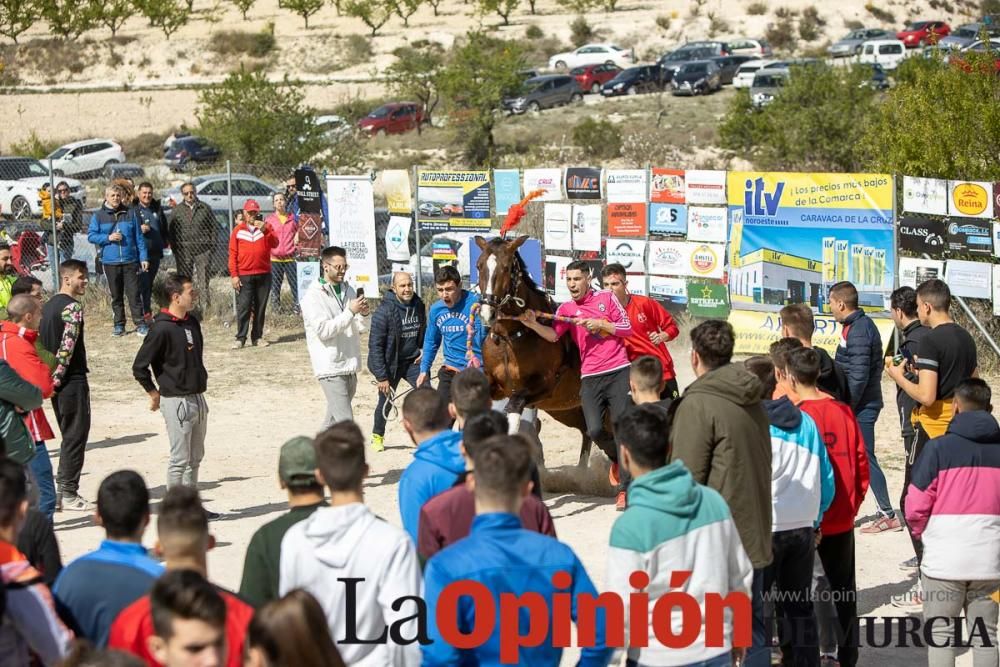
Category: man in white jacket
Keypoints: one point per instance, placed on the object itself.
(356, 565)
(334, 320)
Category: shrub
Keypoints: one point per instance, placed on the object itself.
(883, 15)
(357, 50)
(696, 7)
(146, 146)
(716, 24)
(534, 32)
(989, 7)
(785, 13)
(781, 34)
(581, 32)
(34, 146)
(852, 24)
(355, 108)
(598, 139)
(663, 22)
(242, 43)
(757, 8)
(810, 23)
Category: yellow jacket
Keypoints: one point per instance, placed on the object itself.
(46, 197)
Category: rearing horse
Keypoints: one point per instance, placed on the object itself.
(521, 365)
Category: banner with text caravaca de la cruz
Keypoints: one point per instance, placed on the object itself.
(453, 201)
(792, 236)
(755, 331)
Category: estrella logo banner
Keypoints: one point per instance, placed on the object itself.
(793, 235)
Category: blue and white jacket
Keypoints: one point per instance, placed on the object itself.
(448, 326)
(802, 483)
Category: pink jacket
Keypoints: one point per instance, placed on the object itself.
(286, 247)
(598, 354)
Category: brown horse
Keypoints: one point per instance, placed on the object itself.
(521, 365)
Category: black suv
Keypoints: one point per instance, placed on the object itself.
(634, 80)
(189, 149)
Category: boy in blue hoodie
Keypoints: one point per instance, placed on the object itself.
(802, 489)
(438, 461)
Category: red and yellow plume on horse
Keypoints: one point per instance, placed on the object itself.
(518, 211)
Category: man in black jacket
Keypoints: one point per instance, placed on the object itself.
(71, 222)
(153, 226)
(173, 352)
(193, 233)
(395, 344)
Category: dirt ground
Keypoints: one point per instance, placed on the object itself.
(260, 397)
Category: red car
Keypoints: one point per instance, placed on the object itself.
(922, 33)
(592, 77)
(395, 118)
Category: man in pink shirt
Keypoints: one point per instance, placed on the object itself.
(600, 328)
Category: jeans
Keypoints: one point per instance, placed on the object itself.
(601, 394)
(791, 572)
(339, 391)
(949, 599)
(146, 279)
(186, 418)
(71, 404)
(914, 446)
(41, 470)
(837, 555)
(866, 422)
(281, 271)
(251, 302)
(123, 281)
(759, 652)
(410, 375)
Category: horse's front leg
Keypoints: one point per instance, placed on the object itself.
(515, 406)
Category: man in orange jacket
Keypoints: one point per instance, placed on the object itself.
(17, 347)
(250, 270)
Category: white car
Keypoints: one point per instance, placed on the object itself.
(593, 54)
(20, 180)
(85, 158)
(749, 47)
(885, 52)
(212, 189)
(745, 73)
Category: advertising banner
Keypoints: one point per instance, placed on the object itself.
(755, 331)
(397, 239)
(708, 300)
(973, 280)
(915, 270)
(970, 236)
(685, 258)
(307, 273)
(549, 180)
(784, 226)
(352, 223)
(705, 187)
(996, 290)
(453, 201)
(637, 285)
(667, 186)
(925, 195)
(628, 252)
(922, 235)
(583, 183)
(707, 223)
(670, 292)
(556, 222)
(312, 226)
(972, 199)
(996, 239)
(507, 184)
(626, 185)
(626, 219)
(668, 219)
(555, 277)
(587, 227)
(396, 186)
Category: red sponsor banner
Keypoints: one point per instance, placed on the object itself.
(667, 186)
(626, 219)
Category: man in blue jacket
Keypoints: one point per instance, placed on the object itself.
(114, 229)
(510, 561)
(438, 461)
(395, 343)
(447, 327)
(153, 225)
(859, 353)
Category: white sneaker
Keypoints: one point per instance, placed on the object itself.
(76, 504)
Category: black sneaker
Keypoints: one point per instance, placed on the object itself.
(911, 564)
(212, 516)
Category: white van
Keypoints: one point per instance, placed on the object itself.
(885, 52)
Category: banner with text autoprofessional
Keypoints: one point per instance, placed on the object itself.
(453, 201)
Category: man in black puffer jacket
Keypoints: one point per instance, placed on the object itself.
(395, 344)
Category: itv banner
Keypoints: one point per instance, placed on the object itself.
(792, 236)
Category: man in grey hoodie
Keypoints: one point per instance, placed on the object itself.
(355, 564)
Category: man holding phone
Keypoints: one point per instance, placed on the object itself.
(333, 313)
(250, 271)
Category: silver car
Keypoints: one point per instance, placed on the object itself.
(212, 189)
(967, 35)
(850, 44)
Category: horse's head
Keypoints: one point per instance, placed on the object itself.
(500, 276)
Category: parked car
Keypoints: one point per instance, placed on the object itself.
(544, 92)
(746, 72)
(394, 118)
(212, 189)
(850, 44)
(334, 127)
(885, 52)
(979, 46)
(590, 78)
(20, 180)
(85, 158)
(729, 65)
(635, 80)
(190, 150)
(123, 170)
(592, 54)
(766, 85)
(922, 33)
(699, 77)
(749, 47)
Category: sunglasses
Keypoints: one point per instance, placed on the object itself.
(62, 190)
(188, 193)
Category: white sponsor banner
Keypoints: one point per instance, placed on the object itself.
(970, 199)
(352, 223)
(626, 185)
(925, 195)
(915, 270)
(555, 265)
(669, 289)
(973, 280)
(996, 239)
(307, 274)
(549, 180)
(637, 285)
(996, 290)
(707, 223)
(705, 187)
(686, 258)
(557, 227)
(397, 239)
(587, 227)
(630, 253)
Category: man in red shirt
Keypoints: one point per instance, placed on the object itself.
(652, 326)
(189, 621)
(183, 542)
(250, 269)
(846, 447)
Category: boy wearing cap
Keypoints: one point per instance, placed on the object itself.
(250, 270)
(297, 475)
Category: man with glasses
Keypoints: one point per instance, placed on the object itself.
(333, 313)
(192, 233)
(71, 221)
(151, 223)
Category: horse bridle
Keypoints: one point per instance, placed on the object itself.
(493, 301)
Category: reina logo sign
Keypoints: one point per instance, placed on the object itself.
(758, 201)
(970, 198)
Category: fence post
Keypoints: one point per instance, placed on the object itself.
(232, 214)
(416, 222)
(55, 234)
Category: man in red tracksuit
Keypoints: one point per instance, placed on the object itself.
(652, 327)
(250, 270)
